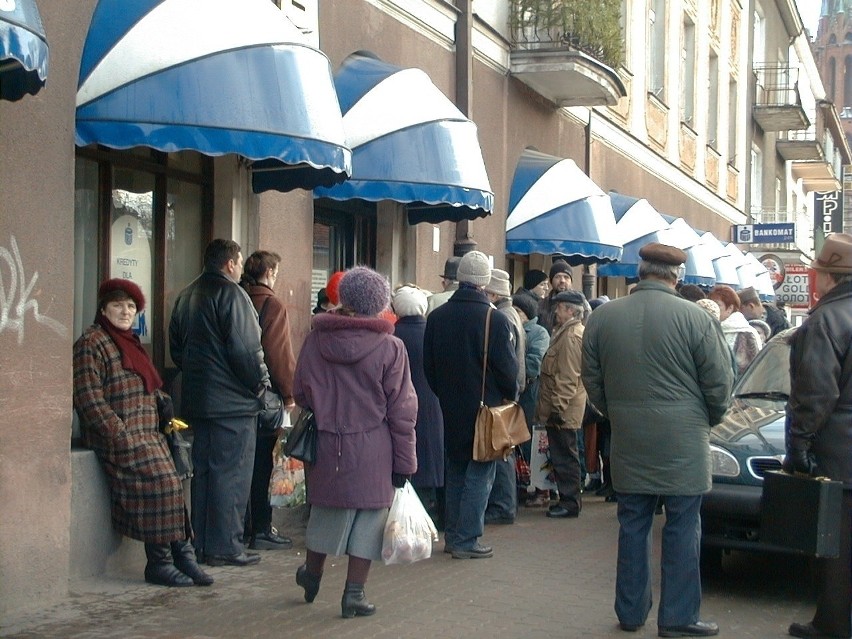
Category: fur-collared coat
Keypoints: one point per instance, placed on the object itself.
(354, 374)
(119, 421)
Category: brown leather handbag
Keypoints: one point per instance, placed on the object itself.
(498, 428)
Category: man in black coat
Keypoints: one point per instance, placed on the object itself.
(819, 422)
(453, 355)
(214, 337)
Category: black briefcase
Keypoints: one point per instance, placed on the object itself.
(801, 514)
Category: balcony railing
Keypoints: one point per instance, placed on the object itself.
(589, 26)
(777, 104)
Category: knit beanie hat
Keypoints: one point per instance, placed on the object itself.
(331, 289)
(474, 269)
(364, 291)
(533, 278)
(499, 284)
(561, 266)
(527, 303)
(408, 301)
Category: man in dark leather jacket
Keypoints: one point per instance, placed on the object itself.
(819, 422)
(215, 341)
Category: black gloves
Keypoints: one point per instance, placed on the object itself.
(800, 460)
(398, 480)
(166, 410)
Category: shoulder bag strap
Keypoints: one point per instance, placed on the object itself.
(485, 351)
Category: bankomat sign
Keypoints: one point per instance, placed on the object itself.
(828, 211)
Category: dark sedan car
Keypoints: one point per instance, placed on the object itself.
(748, 442)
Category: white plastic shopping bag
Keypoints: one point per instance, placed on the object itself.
(409, 531)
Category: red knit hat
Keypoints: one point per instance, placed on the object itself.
(331, 289)
(130, 289)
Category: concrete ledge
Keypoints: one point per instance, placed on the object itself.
(96, 549)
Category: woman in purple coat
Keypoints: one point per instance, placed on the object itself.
(353, 373)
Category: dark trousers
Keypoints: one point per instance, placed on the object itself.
(680, 583)
(566, 466)
(834, 581)
(259, 513)
(222, 453)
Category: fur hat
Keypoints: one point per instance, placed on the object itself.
(711, 307)
(331, 289)
(527, 303)
(499, 284)
(408, 301)
(533, 278)
(110, 289)
(570, 297)
(762, 328)
(474, 269)
(836, 254)
(560, 266)
(451, 268)
(662, 253)
(748, 295)
(364, 291)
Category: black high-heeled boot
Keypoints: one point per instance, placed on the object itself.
(355, 602)
(308, 581)
(160, 569)
(185, 561)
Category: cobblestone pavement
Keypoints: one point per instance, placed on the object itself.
(548, 578)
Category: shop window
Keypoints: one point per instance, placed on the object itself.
(144, 216)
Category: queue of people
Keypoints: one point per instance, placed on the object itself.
(627, 390)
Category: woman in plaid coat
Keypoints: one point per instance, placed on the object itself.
(116, 394)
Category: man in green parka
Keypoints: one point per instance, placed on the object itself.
(658, 367)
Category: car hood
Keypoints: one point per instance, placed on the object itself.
(756, 425)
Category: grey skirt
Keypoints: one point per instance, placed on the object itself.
(347, 531)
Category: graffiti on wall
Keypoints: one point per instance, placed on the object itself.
(15, 294)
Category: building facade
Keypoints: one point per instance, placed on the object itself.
(659, 104)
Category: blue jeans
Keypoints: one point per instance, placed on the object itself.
(467, 485)
(680, 585)
(503, 500)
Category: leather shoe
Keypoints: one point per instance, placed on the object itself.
(630, 627)
(477, 552)
(270, 540)
(559, 512)
(243, 559)
(697, 629)
(809, 631)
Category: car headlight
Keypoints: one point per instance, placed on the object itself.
(724, 464)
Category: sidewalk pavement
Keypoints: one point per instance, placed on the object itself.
(548, 578)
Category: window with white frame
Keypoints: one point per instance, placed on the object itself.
(687, 74)
(713, 100)
(657, 49)
(733, 96)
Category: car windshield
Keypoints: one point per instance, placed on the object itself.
(769, 374)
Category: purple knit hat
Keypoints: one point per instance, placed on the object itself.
(364, 291)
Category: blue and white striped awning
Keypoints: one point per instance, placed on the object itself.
(410, 144)
(637, 224)
(762, 280)
(556, 209)
(216, 77)
(724, 264)
(24, 54)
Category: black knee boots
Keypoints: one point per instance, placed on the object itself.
(160, 569)
(185, 561)
(355, 602)
(309, 582)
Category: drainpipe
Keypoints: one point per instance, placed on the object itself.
(464, 242)
(589, 279)
(749, 120)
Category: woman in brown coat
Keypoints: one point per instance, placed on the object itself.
(117, 394)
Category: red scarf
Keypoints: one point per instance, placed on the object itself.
(133, 356)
